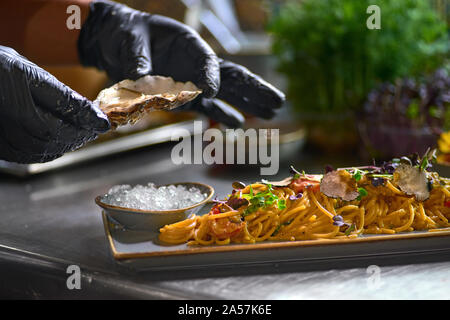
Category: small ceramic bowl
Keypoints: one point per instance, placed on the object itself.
(153, 220)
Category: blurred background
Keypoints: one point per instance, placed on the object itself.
(371, 93)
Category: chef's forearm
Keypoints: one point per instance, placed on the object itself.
(43, 30)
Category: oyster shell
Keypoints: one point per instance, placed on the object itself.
(127, 101)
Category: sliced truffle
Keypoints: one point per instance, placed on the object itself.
(128, 101)
(282, 183)
(236, 203)
(339, 184)
(287, 181)
(412, 181)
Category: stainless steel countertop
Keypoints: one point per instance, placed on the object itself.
(50, 221)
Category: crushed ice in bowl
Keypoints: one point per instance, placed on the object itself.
(151, 197)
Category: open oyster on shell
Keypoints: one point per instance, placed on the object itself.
(127, 101)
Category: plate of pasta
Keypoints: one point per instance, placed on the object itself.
(398, 207)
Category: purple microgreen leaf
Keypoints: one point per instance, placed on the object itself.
(377, 181)
(296, 197)
(338, 221)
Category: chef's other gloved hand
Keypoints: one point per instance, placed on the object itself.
(129, 44)
(240, 88)
(40, 117)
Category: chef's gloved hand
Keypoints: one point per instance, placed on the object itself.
(129, 44)
(240, 88)
(40, 117)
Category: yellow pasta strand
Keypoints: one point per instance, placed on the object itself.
(385, 210)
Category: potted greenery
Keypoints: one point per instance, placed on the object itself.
(332, 60)
(407, 116)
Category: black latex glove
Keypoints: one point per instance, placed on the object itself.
(129, 44)
(40, 117)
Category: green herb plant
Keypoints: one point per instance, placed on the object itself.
(332, 60)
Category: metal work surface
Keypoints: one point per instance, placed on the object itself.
(50, 221)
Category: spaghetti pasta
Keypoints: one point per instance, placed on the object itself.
(287, 213)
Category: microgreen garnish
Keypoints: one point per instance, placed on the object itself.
(389, 167)
(350, 229)
(428, 158)
(218, 201)
(377, 181)
(380, 175)
(262, 199)
(339, 221)
(236, 203)
(282, 204)
(414, 160)
(362, 193)
(423, 164)
(298, 196)
(251, 209)
(277, 229)
(295, 172)
(405, 160)
(357, 174)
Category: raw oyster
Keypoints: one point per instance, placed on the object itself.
(128, 101)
